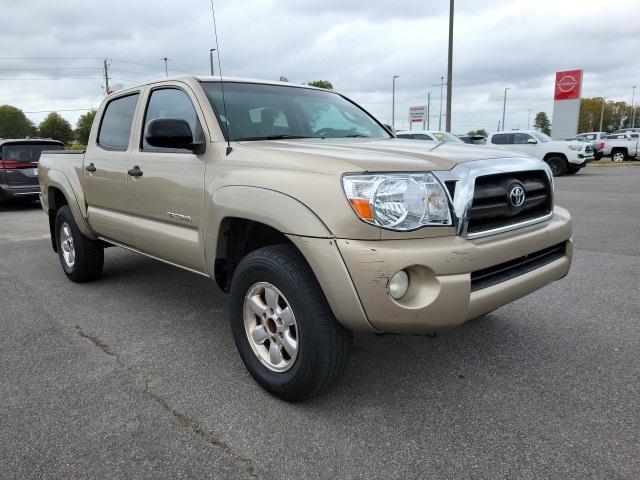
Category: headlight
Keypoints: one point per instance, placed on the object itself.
(398, 201)
(575, 147)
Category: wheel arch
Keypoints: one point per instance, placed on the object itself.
(60, 192)
(243, 218)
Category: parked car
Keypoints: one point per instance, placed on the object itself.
(473, 139)
(625, 130)
(19, 167)
(313, 217)
(596, 139)
(429, 135)
(563, 157)
(621, 146)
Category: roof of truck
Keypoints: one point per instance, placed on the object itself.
(209, 78)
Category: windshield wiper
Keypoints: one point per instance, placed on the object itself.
(357, 135)
(273, 137)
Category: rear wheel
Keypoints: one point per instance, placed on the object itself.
(284, 329)
(619, 156)
(558, 165)
(81, 258)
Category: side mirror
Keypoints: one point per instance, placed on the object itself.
(532, 141)
(172, 133)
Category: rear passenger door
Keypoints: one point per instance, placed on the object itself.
(167, 201)
(105, 169)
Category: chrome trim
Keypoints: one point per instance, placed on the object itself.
(465, 174)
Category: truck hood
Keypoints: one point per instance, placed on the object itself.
(378, 155)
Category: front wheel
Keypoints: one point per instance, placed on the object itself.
(284, 329)
(558, 165)
(82, 259)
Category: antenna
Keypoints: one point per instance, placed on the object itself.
(224, 104)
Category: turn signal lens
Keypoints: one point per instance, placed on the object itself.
(362, 207)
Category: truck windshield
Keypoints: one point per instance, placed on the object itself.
(26, 152)
(272, 112)
(543, 137)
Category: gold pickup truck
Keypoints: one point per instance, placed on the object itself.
(307, 210)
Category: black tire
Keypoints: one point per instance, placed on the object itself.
(323, 343)
(573, 171)
(558, 165)
(89, 254)
(623, 157)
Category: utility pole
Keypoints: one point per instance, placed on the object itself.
(441, 85)
(498, 129)
(393, 102)
(602, 114)
(504, 105)
(428, 110)
(166, 70)
(106, 77)
(529, 119)
(211, 50)
(633, 110)
(450, 67)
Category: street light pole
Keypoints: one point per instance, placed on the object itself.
(440, 117)
(504, 105)
(211, 50)
(633, 110)
(166, 70)
(602, 113)
(428, 109)
(450, 67)
(393, 102)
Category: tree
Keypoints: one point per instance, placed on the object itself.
(83, 127)
(56, 127)
(326, 84)
(481, 132)
(615, 114)
(542, 123)
(14, 123)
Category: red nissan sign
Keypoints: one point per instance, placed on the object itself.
(568, 85)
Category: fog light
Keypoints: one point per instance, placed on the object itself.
(399, 284)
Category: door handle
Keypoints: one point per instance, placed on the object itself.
(135, 172)
(90, 168)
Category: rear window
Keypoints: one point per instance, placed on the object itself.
(26, 152)
(115, 127)
(502, 139)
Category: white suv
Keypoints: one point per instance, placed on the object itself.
(563, 157)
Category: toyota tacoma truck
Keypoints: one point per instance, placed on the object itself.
(563, 157)
(308, 212)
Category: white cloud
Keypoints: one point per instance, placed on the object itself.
(356, 44)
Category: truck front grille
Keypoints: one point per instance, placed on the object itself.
(496, 200)
(505, 271)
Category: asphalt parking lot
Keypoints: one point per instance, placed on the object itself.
(136, 375)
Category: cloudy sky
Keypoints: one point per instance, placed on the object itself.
(52, 52)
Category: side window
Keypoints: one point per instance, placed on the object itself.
(521, 138)
(635, 135)
(404, 135)
(170, 103)
(420, 136)
(115, 127)
(502, 139)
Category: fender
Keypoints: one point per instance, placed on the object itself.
(276, 209)
(75, 199)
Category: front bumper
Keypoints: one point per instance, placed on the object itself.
(440, 296)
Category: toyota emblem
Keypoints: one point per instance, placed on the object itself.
(516, 195)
